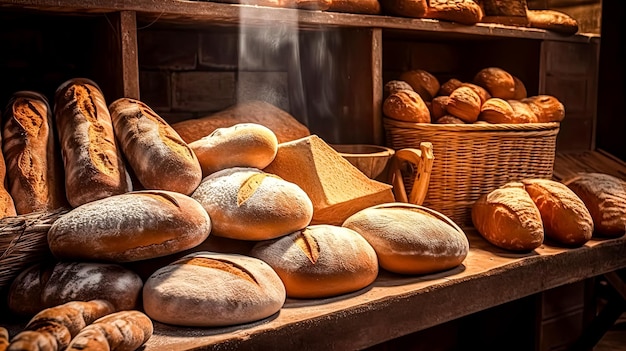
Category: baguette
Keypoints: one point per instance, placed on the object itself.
(124, 330)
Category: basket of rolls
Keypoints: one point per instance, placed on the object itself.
(484, 133)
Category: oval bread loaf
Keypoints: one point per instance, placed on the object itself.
(496, 110)
(320, 261)
(130, 227)
(464, 103)
(407, 106)
(411, 239)
(424, 83)
(498, 82)
(213, 289)
(547, 108)
(124, 330)
(395, 85)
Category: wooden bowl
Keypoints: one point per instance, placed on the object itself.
(369, 159)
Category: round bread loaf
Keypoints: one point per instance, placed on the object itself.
(605, 197)
(130, 227)
(522, 113)
(438, 107)
(320, 261)
(547, 108)
(242, 145)
(508, 218)
(520, 89)
(480, 91)
(498, 82)
(464, 103)
(448, 119)
(249, 204)
(407, 106)
(42, 286)
(449, 86)
(395, 85)
(564, 215)
(159, 157)
(424, 83)
(496, 110)
(213, 289)
(411, 239)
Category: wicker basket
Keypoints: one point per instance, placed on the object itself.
(473, 159)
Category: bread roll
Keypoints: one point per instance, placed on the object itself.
(320, 261)
(371, 7)
(564, 215)
(405, 8)
(520, 89)
(407, 106)
(508, 218)
(605, 197)
(460, 11)
(464, 104)
(35, 172)
(522, 113)
(496, 110)
(547, 108)
(94, 168)
(480, 91)
(211, 289)
(553, 20)
(411, 239)
(249, 204)
(124, 330)
(160, 159)
(394, 85)
(438, 107)
(424, 83)
(449, 86)
(130, 227)
(242, 145)
(498, 82)
(448, 119)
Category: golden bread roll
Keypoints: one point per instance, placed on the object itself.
(212, 289)
(242, 145)
(480, 91)
(449, 86)
(438, 107)
(394, 85)
(464, 104)
(35, 171)
(547, 108)
(94, 166)
(424, 83)
(605, 197)
(130, 227)
(522, 113)
(411, 239)
(249, 204)
(448, 119)
(498, 82)
(320, 261)
(371, 7)
(405, 8)
(520, 89)
(552, 20)
(564, 215)
(508, 218)
(496, 110)
(459, 11)
(407, 106)
(123, 330)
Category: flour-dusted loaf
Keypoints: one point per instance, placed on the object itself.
(605, 197)
(464, 103)
(498, 82)
(496, 110)
(564, 215)
(159, 157)
(508, 218)
(406, 106)
(123, 330)
(35, 169)
(213, 289)
(94, 166)
(395, 85)
(242, 145)
(130, 227)
(320, 261)
(249, 204)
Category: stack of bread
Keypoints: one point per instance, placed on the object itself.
(494, 96)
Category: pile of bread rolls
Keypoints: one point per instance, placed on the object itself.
(494, 96)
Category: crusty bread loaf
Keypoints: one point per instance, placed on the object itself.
(320, 261)
(285, 126)
(460, 11)
(464, 103)
(4, 338)
(124, 330)
(160, 159)
(547, 108)
(405, 8)
(242, 145)
(249, 204)
(129, 227)
(7, 206)
(423, 82)
(508, 218)
(449, 86)
(53, 328)
(480, 91)
(212, 289)
(520, 89)
(564, 215)
(553, 20)
(496, 110)
(34, 167)
(498, 82)
(407, 106)
(438, 107)
(394, 85)
(448, 119)
(94, 167)
(371, 7)
(522, 113)
(605, 197)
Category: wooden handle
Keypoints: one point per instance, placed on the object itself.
(422, 161)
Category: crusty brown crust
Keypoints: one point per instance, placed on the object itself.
(547, 108)
(423, 82)
(370, 7)
(407, 106)
(459, 11)
(405, 8)
(553, 20)
(496, 110)
(464, 103)
(124, 330)
(498, 82)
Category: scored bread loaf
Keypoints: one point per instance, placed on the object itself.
(160, 159)
(94, 167)
(53, 328)
(547, 108)
(522, 113)
(496, 110)
(423, 82)
(124, 330)
(449, 86)
(34, 169)
(407, 106)
(464, 103)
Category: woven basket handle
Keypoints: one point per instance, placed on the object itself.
(422, 161)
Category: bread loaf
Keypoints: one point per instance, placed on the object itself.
(249, 204)
(508, 218)
(464, 104)
(242, 145)
(448, 119)
(34, 170)
(498, 82)
(24, 296)
(130, 227)
(405, 8)
(460, 11)
(210, 289)
(424, 83)
(480, 91)
(407, 106)
(320, 261)
(605, 197)
(520, 89)
(160, 159)
(124, 330)
(438, 107)
(53, 328)
(4, 339)
(553, 20)
(394, 85)
(7, 206)
(522, 113)
(411, 239)
(371, 7)
(94, 168)
(496, 110)
(547, 108)
(449, 86)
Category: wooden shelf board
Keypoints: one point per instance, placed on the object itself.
(567, 164)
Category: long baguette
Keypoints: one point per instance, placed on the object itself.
(121, 331)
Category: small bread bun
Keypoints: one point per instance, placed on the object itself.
(411, 239)
(508, 218)
(395, 85)
(448, 119)
(242, 145)
(424, 83)
(449, 86)
(407, 106)
(464, 104)
(480, 91)
(249, 204)
(520, 89)
(320, 261)
(438, 107)
(207, 289)
(605, 197)
(522, 113)
(547, 108)
(496, 110)
(498, 82)
(564, 215)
